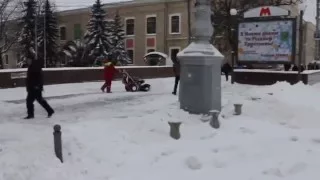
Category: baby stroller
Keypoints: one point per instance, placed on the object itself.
(134, 84)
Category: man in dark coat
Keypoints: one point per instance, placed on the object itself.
(176, 70)
(226, 69)
(34, 84)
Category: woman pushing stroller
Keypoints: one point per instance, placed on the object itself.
(109, 72)
(131, 83)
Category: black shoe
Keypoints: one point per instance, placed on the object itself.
(50, 113)
(174, 93)
(29, 117)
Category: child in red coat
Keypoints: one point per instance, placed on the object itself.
(109, 71)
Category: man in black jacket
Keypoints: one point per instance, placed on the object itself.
(34, 84)
(176, 70)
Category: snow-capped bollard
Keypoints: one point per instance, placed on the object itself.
(57, 141)
(175, 130)
(237, 109)
(214, 121)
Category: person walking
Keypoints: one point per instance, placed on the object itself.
(176, 70)
(34, 85)
(109, 71)
(226, 69)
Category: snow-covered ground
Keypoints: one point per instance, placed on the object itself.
(125, 136)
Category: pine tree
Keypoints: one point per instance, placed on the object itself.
(27, 35)
(97, 36)
(119, 53)
(48, 34)
(76, 53)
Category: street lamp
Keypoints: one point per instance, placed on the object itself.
(233, 13)
(302, 8)
(200, 67)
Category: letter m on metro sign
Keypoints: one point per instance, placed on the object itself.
(265, 11)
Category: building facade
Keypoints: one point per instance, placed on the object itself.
(149, 25)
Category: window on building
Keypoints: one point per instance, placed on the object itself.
(77, 32)
(130, 54)
(130, 27)
(6, 59)
(173, 54)
(175, 24)
(151, 25)
(63, 33)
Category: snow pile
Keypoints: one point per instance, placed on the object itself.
(125, 136)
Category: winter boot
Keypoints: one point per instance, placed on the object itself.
(109, 89)
(102, 89)
(29, 117)
(50, 113)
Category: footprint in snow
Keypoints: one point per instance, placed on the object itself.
(219, 164)
(294, 138)
(246, 130)
(273, 172)
(193, 163)
(297, 168)
(316, 140)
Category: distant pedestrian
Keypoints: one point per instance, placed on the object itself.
(34, 84)
(226, 69)
(176, 70)
(287, 67)
(295, 68)
(109, 71)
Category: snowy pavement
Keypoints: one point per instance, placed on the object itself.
(124, 136)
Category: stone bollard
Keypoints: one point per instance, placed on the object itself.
(175, 130)
(214, 121)
(57, 141)
(237, 109)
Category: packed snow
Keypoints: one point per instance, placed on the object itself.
(125, 136)
(80, 68)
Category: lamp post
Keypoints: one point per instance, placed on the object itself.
(233, 13)
(302, 8)
(45, 38)
(200, 85)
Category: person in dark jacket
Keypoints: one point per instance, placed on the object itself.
(287, 67)
(34, 84)
(295, 68)
(176, 70)
(226, 69)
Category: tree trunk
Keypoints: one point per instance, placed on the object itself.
(1, 62)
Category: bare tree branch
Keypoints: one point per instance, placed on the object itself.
(8, 26)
